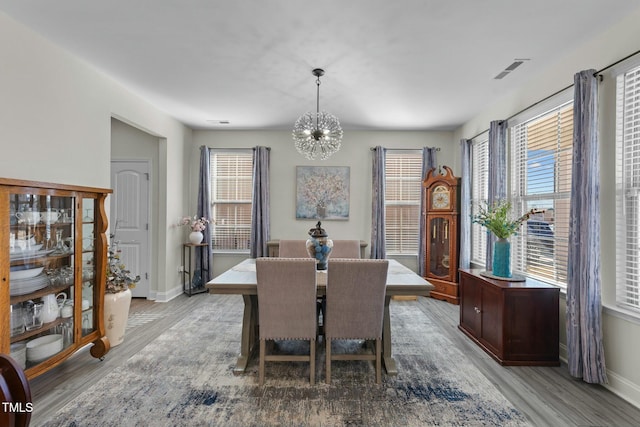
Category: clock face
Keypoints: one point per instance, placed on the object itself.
(440, 198)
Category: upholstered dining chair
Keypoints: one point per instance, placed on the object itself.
(14, 390)
(293, 249)
(345, 249)
(355, 307)
(287, 307)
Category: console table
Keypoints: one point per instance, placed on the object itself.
(516, 323)
(188, 269)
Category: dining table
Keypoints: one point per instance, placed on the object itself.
(241, 280)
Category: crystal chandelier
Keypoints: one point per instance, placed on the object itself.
(317, 135)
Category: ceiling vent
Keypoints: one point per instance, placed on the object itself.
(516, 63)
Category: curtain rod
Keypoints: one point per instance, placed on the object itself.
(234, 148)
(403, 149)
(596, 74)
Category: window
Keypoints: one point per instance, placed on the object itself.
(540, 172)
(403, 181)
(479, 196)
(628, 184)
(231, 193)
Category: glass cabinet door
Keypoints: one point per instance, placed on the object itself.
(42, 276)
(88, 265)
(439, 247)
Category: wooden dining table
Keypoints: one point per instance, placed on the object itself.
(241, 280)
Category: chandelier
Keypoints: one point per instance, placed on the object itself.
(317, 135)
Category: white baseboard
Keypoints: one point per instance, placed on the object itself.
(623, 388)
(170, 294)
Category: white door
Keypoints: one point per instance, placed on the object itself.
(129, 218)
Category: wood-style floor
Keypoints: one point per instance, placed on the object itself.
(547, 396)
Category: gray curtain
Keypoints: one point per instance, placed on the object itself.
(204, 255)
(260, 203)
(465, 205)
(428, 162)
(497, 180)
(584, 311)
(378, 247)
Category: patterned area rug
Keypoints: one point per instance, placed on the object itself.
(184, 377)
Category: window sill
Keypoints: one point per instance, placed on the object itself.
(230, 252)
(622, 313)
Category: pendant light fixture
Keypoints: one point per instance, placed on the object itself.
(317, 135)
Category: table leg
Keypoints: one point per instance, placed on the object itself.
(387, 357)
(249, 333)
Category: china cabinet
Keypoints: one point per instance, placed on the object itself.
(53, 248)
(441, 225)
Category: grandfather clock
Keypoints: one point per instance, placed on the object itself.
(441, 216)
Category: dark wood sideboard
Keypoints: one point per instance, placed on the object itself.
(517, 323)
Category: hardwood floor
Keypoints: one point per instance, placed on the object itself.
(547, 396)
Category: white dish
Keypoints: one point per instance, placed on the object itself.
(44, 347)
(27, 249)
(20, 273)
(26, 286)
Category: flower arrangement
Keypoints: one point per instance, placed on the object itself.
(119, 279)
(496, 219)
(195, 223)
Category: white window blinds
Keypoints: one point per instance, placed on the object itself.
(403, 170)
(628, 195)
(479, 195)
(540, 172)
(231, 188)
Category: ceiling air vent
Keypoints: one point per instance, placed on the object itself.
(516, 63)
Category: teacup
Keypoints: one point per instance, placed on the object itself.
(50, 217)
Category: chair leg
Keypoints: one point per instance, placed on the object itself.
(378, 361)
(263, 347)
(328, 359)
(312, 361)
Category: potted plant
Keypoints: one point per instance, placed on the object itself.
(498, 220)
(117, 299)
(197, 225)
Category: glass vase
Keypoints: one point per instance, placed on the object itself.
(502, 258)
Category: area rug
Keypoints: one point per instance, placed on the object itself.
(184, 378)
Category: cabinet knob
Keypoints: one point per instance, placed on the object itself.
(477, 310)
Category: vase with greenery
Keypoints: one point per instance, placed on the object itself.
(498, 219)
(117, 299)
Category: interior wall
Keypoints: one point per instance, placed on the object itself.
(129, 143)
(355, 153)
(55, 126)
(621, 330)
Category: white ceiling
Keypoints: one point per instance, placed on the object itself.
(405, 64)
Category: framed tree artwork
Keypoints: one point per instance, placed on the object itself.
(322, 192)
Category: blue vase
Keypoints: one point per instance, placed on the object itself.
(501, 258)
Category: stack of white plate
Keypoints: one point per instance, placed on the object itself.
(19, 353)
(26, 286)
(44, 347)
(23, 272)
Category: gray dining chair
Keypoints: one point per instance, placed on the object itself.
(287, 307)
(345, 249)
(293, 249)
(355, 307)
